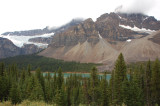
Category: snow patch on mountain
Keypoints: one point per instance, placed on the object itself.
(19, 41)
(99, 35)
(138, 29)
(129, 40)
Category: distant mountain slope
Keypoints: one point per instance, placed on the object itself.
(103, 40)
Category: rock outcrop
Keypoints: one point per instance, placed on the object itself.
(8, 49)
(41, 40)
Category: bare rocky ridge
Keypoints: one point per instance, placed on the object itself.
(8, 49)
(103, 40)
(156, 38)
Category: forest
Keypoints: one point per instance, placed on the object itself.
(141, 88)
(47, 64)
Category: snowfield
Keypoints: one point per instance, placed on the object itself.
(20, 40)
(138, 29)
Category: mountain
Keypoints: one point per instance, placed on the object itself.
(30, 41)
(42, 36)
(45, 30)
(29, 32)
(8, 49)
(101, 41)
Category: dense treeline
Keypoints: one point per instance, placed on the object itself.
(47, 64)
(142, 88)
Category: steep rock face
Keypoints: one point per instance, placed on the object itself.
(140, 21)
(75, 34)
(108, 27)
(41, 40)
(30, 49)
(7, 48)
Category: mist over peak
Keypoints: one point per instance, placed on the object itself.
(137, 6)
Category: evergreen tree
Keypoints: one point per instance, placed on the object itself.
(104, 92)
(120, 75)
(148, 83)
(111, 88)
(59, 98)
(68, 96)
(37, 93)
(48, 92)
(133, 95)
(15, 94)
(156, 82)
(75, 97)
(4, 87)
(94, 84)
(2, 68)
(86, 92)
(29, 70)
(30, 85)
(59, 79)
(40, 78)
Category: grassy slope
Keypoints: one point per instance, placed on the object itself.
(47, 64)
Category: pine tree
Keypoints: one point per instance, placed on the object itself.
(104, 92)
(15, 94)
(48, 92)
(29, 70)
(86, 92)
(68, 96)
(30, 85)
(111, 88)
(155, 81)
(133, 95)
(148, 83)
(37, 93)
(40, 78)
(59, 79)
(94, 84)
(120, 75)
(4, 87)
(75, 97)
(59, 97)
(2, 68)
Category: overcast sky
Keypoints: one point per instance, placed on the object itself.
(34, 14)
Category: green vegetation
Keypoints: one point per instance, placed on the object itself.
(142, 88)
(47, 64)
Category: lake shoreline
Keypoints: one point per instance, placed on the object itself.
(76, 73)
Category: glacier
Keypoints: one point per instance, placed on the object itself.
(19, 41)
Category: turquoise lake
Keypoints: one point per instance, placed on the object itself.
(108, 76)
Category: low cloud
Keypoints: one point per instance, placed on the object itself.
(137, 6)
